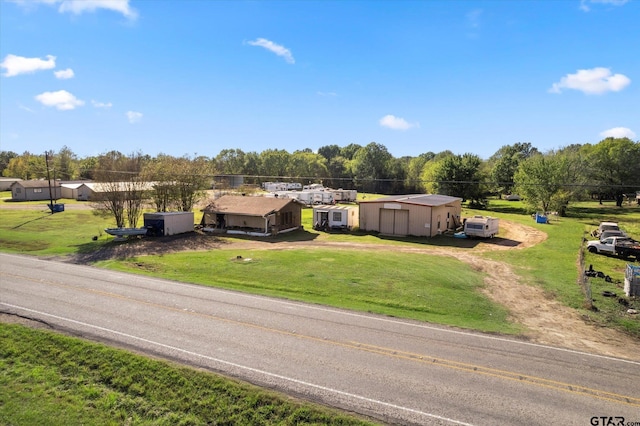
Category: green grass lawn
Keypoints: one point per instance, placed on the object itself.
(48, 378)
(409, 285)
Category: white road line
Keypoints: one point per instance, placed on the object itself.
(243, 367)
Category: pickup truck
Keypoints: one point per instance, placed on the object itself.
(616, 246)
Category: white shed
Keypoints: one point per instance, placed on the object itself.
(168, 223)
(335, 217)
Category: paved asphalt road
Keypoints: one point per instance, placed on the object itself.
(398, 371)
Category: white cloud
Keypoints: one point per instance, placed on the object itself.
(275, 48)
(618, 132)
(101, 104)
(134, 117)
(16, 65)
(594, 81)
(328, 94)
(396, 123)
(585, 4)
(78, 7)
(61, 99)
(64, 74)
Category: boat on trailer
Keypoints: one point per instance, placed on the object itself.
(126, 232)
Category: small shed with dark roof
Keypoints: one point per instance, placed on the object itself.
(35, 190)
(260, 216)
(422, 215)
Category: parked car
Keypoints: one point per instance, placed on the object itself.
(605, 226)
(612, 233)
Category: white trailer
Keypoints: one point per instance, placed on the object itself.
(481, 226)
(305, 197)
(168, 223)
(344, 195)
(335, 217)
(274, 186)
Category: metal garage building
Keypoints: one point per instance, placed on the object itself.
(168, 223)
(422, 215)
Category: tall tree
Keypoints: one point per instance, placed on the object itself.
(460, 176)
(164, 195)
(428, 175)
(397, 175)
(109, 174)
(66, 164)
(370, 166)
(27, 166)
(274, 162)
(329, 151)
(504, 164)
(87, 167)
(124, 189)
(230, 162)
(413, 182)
(349, 151)
(307, 164)
(542, 180)
(615, 166)
(5, 157)
(194, 177)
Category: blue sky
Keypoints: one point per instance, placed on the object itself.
(196, 77)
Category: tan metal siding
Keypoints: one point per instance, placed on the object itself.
(387, 221)
(401, 222)
(370, 216)
(419, 221)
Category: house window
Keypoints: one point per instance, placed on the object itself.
(18, 190)
(337, 216)
(37, 190)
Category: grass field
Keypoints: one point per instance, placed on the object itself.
(406, 285)
(48, 378)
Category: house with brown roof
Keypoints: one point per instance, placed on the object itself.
(35, 190)
(421, 215)
(260, 216)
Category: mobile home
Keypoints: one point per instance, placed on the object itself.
(335, 217)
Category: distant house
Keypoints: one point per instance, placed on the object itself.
(422, 215)
(95, 191)
(5, 183)
(260, 216)
(35, 190)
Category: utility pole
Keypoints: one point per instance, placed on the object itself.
(46, 159)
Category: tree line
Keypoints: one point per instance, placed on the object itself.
(547, 181)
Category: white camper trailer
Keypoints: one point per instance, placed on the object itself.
(335, 217)
(481, 226)
(344, 195)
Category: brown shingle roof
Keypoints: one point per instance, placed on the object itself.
(249, 206)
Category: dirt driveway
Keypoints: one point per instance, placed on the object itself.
(547, 321)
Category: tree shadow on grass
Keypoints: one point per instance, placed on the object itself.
(30, 221)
